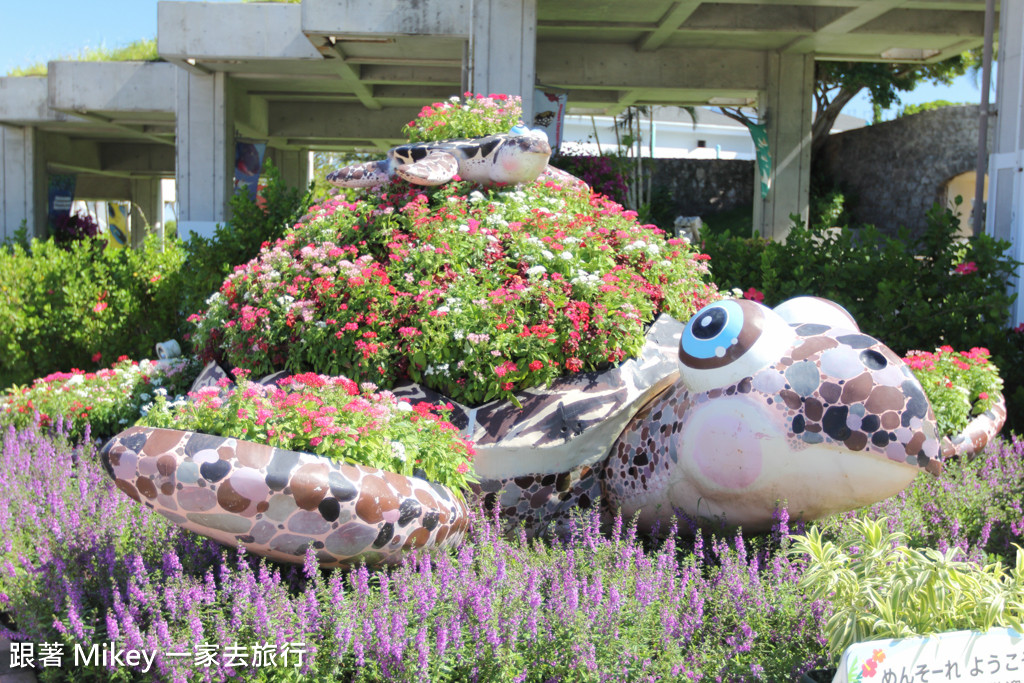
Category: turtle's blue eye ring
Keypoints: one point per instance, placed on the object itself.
(720, 333)
(729, 340)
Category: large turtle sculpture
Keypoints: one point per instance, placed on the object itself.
(516, 157)
(723, 418)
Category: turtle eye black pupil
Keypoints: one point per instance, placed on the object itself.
(710, 323)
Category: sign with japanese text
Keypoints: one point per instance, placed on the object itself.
(993, 656)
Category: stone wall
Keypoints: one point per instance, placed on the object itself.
(701, 187)
(893, 172)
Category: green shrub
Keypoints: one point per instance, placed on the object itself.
(880, 588)
(81, 305)
(912, 293)
(252, 224)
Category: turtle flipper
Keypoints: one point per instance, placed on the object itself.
(435, 168)
(369, 174)
(563, 178)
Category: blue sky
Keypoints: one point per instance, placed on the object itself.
(39, 30)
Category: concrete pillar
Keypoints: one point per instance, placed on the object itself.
(786, 110)
(205, 152)
(17, 186)
(147, 208)
(294, 165)
(1004, 215)
(503, 49)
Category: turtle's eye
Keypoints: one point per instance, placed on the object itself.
(719, 334)
(729, 340)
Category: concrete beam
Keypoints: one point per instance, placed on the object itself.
(226, 31)
(341, 121)
(786, 111)
(102, 187)
(17, 161)
(112, 86)
(356, 18)
(621, 67)
(150, 160)
(669, 24)
(350, 76)
(147, 208)
(24, 101)
(205, 151)
(294, 165)
(503, 49)
(66, 150)
(250, 112)
(411, 75)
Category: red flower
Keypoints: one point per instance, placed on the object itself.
(965, 268)
(754, 295)
(99, 307)
(574, 364)
(983, 396)
(96, 357)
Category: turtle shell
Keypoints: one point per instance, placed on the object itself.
(570, 424)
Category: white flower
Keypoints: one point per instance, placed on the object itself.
(403, 407)
(565, 256)
(160, 391)
(547, 254)
(398, 449)
(477, 196)
(458, 335)
(536, 270)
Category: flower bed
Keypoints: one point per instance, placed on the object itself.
(90, 566)
(965, 392)
(476, 295)
(475, 292)
(109, 399)
(328, 416)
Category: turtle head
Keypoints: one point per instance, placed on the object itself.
(521, 157)
(821, 378)
(797, 406)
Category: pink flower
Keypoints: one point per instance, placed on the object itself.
(505, 368)
(462, 468)
(983, 396)
(96, 357)
(965, 268)
(99, 307)
(754, 295)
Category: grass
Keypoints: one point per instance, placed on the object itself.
(139, 50)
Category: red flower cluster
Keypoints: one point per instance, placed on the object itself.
(475, 295)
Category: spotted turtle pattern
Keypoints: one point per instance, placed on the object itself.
(279, 503)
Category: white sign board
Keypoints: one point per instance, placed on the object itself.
(993, 656)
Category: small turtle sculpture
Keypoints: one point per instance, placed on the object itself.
(520, 156)
(723, 418)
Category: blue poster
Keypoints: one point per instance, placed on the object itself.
(61, 194)
(248, 164)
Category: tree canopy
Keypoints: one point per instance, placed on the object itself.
(836, 83)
